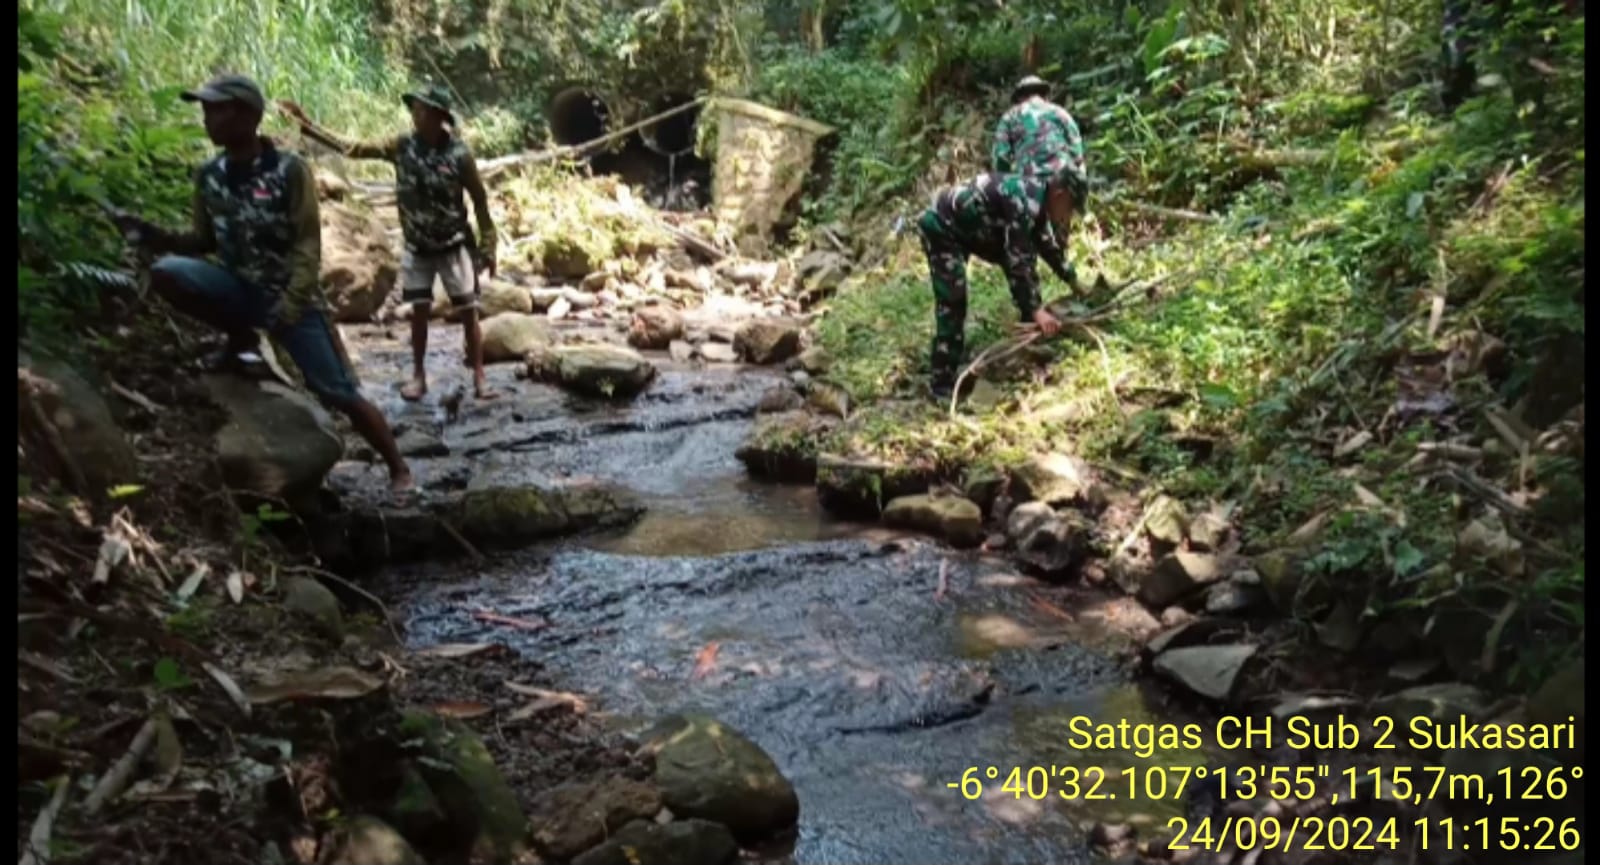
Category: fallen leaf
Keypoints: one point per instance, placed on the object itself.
(1309, 530)
(464, 711)
(1352, 444)
(509, 621)
(229, 686)
(706, 660)
(456, 650)
(192, 584)
(113, 550)
(1368, 497)
(339, 683)
(545, 700)
(236, 586)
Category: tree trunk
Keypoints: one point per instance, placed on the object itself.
(1031, 55)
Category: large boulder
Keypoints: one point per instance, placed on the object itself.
(1177, 576)
(1049, 543)
(784, 446)
(860, 487)
(469, 787)
(277, 442)
(953, 518)
(359, 267)
(574, 817)
(1055, 479)
(820, 272)
(508, 517)
(512, 336)
(677, 843)
(767, 340)
(502, 297)
(655, 327)
(1210, 671)
(593, 369)
(707, 770)
(80, 419)
(565, 258)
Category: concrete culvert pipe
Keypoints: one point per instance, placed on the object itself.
(577, 115)
(675, 135)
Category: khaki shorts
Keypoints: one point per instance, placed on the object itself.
(454, 269)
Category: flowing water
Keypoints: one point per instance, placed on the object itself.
(832, 651)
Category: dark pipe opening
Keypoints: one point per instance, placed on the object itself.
(577, 115)
(675, 135)
(659, 161)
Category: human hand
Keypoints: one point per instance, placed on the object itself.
(293, 110)
(132, 227)
(1048, 324)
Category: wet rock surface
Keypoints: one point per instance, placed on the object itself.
(853, 655)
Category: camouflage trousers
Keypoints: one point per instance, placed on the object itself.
(947, 265)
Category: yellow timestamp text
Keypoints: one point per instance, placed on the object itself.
(1341, 834)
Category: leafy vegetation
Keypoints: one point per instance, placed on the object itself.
(1345, 201)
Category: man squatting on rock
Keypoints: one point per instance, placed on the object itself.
(433, 168)
(255, 207)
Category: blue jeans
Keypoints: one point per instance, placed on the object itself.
(218, 298)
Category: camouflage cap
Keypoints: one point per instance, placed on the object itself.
(230, 87)
(1029, 86)
(433, 96)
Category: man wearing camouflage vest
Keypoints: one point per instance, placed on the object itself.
(255, 207)
(433, 169)
(1004, 219)
(1038, 137)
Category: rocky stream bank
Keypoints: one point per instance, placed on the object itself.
(649, 606)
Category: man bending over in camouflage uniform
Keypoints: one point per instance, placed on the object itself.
(1003, 219)
(1038, 137)
(432, 167)
(256, 207)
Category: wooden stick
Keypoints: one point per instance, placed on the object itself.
(38, 850)
(117, 777)
(1172, 213)
(450, 530)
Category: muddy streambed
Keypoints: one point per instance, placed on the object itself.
(831, 649)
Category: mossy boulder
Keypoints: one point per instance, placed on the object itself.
(707, 770)
(508, 517)
(482, 808)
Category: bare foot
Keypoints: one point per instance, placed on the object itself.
(401, 482)
(414, 390)
(482, 391)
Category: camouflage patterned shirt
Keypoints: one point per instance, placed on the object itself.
(1034, 136)
(1001, 220)
(431, 181)
(262, 222)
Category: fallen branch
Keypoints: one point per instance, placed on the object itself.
(1172, 212)
(37, 852)
(477, 557)
(121, 772)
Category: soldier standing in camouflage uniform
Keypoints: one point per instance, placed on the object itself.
(1038, 137)
(1004, 219)
(433, 168)
(256, 207)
